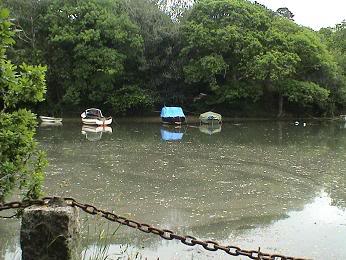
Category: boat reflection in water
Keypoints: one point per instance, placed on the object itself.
(171, 133)
(343, 125)
(94, 133)
(210, 129)
(47, 124)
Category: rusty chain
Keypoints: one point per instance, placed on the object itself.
(163, 233)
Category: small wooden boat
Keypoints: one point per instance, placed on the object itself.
(49, 119)
(93, 116)
(172, 115)
(210, 118)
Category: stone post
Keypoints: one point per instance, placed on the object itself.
(50, 232)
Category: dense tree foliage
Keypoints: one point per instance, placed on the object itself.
(30, 41)
(335, 38)
(98, 50)
(158, 69)
(232, 44)
(21, 163)
(132, 55)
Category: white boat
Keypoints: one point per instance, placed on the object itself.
(210, 118)
(97, 121)
(49, 119)
(93, 116)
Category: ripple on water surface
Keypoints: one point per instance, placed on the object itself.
(279, 187)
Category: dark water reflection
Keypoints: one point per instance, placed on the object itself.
(250, 184)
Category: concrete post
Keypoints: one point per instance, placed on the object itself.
(49, 232)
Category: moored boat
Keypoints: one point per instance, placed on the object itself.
(49, 119)
(93, 116)
(172, 115)
(210, 118)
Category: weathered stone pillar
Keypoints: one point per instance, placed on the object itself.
(49, 232)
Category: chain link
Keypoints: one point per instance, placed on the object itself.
(146, 228)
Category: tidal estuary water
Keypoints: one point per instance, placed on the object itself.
(272, 185)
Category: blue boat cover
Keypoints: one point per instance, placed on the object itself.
(170, 136)
(172, 112)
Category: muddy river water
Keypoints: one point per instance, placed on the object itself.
(273, 185)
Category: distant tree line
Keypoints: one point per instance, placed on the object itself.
(131, 56)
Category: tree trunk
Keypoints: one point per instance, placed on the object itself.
(281, 104)
(33, 35)
(332, 109)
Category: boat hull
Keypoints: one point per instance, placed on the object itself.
(49, 119)
(210, 121)
(173, 120)
(210, 118)
(97, 121)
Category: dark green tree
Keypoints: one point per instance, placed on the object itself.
(335, 38)
(293, 64)
(21, 162)
(27, 19)
(219, 40)
(233, 47)
(96, 50)
(159, 69)
(127, 55)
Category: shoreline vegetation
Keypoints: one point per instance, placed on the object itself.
(132, 56)
(195, 119)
